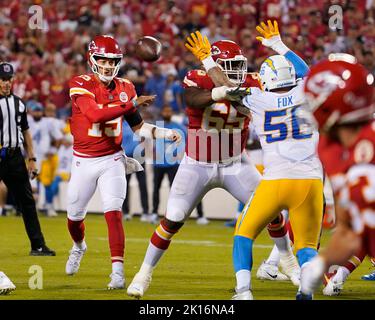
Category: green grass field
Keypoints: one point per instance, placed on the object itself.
(197, 265)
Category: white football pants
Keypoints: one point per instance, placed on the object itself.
(108, 173)
(194, 179)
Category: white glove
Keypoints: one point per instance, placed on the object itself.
(219, 93)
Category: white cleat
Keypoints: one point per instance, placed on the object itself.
(203, 221)
(290, 267)
(333, 287)
(245, 295)
(117, 282)
(6, 285)
(154, 218)
(74, 260)
(52, 213)
(139, 285)
(268, 271)
(126, 217)
(311, 275)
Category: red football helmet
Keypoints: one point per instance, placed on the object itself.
(104, 47)
(340, 91)
(228, 56)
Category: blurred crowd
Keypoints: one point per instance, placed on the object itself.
(46, 57)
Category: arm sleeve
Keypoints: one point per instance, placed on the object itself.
(134, 118)
(90, 109)
(299, 64)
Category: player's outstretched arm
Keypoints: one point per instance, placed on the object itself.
(150, 131)
(270, 37)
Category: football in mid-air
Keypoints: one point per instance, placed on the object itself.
(148, 49)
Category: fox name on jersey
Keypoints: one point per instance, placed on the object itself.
(98, 139)
(218, 132)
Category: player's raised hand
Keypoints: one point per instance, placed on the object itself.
(270, 33)
(198, 45)
(145, 101)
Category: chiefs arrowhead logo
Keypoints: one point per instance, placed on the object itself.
(215, 50)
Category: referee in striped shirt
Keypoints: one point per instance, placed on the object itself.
(14, 133)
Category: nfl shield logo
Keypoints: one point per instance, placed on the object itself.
(123, 97)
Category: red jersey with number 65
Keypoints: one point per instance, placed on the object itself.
(98, 139)
(217, 132)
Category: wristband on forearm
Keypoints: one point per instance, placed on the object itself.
(209, 63)
(280, 48)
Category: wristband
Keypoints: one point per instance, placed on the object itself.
(280, 48)
(209, 63)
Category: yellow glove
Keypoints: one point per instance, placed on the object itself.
(268, 31)
(198, 45)
(271, 37)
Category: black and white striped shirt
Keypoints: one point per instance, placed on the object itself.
(13, 121)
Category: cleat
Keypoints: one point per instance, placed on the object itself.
(126, 217)
(145, 218)
(268, 271)
(245, 295)
(289, 266)
(311, 275)
(154, 218)
(139, 285)
(42, 251)
(6, 285)
(52, 213)
(369, 277)
(333, 287)
(74, 260)
(202, 221)
(301, 296)
(117, 282)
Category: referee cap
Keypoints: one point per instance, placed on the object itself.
(6, 70)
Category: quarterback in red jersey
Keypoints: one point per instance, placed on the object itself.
(100, 102)
(340, 91)
(214, 156)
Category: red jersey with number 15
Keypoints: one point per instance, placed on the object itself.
(219, 131)
(98, 139)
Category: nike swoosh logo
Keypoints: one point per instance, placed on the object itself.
(118, 158)
(271, 275)
(80, 83)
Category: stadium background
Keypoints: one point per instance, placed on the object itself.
(46, 58)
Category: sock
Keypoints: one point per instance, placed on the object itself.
(279, 234)
(342, 273)
(116, 235)
(243, 278)
(354, 262)
(290, 232)
(77, 232)
(243, 262)
(118, 268)
(49, 194)
(160, 241)
(274, 257)
(305, 254)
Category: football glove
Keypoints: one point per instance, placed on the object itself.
(271, 37)
(198, 45)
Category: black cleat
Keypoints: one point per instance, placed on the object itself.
(42, 251)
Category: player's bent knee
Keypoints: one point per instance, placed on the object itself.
(113, 205)
(76, 214)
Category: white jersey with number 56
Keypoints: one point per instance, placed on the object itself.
(284, 125)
